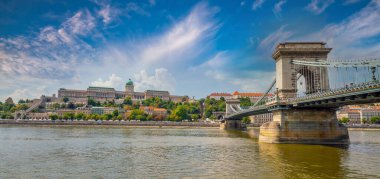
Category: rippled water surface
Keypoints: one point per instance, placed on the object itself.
(83, 152)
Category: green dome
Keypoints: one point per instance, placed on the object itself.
(130, 82)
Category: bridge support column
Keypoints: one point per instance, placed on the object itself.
(231, 124)
(309, 126)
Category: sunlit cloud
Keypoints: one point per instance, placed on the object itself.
(257, 4)
(162, 79)
(318, 6)
(280, 35)
(350, 35)
(278, 7)
(113, 81)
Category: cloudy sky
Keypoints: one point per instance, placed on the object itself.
(185, 46)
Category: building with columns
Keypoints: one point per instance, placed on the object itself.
(106, 94)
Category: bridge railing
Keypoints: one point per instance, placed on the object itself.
(347, 89)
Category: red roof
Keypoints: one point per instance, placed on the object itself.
(250, 94)
(220, 94)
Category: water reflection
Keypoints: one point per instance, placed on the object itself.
(294, 160)
(44, 152)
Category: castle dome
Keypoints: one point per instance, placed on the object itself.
(129, 83)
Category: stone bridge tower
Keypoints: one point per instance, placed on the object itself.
(231, 123)
(316, 78)
(302, 125)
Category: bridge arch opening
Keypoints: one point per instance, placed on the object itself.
(220, 117)
(306, 81)
(18, 116)
(309, 79)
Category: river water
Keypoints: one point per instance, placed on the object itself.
(99, 152)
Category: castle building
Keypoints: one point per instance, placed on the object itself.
(218, 96)
(106, 94)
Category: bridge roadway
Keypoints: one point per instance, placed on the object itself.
(358, 94)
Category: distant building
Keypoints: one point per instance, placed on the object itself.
(38, 115)
(217, 96)
(357, 114)
(252, 96)
(260, 119)
(255, 119)
(9, 100)
(352, 114)
(106, 94)
(102, 110)
(369, 113)
(157, 113)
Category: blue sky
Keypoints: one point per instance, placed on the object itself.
(187, 47)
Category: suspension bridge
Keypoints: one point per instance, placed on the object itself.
(308, 89)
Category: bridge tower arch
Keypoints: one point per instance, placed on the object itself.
(287, 73)
(231, 107)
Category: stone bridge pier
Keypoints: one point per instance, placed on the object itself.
(231, 124)
(310, 126)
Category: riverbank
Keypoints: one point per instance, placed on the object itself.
(109, 123)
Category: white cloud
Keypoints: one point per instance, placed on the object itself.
(214, 67)
(161, 80)
(349, 36)
(81, 23)
(24, 93)
(180, 39)
(278, 7)
(152, 2)
(113, 81)
(105, 12)
(184, 40)
(27, 62)
(57, 54)
(274, 38)
(257, 4)
(258, 81)
(318, 6)
(133, 7)
(349, 2)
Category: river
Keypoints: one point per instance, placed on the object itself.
(105, 152)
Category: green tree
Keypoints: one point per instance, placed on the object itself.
(149, 117)
(375, 119)
(63, 105)
(71, 105)
(128, 101)
(91, 102)
(80, 116)
(344, 120)
(179, 113)
(119, 117)
(106, 117)
(245, 102)
(136, 106)
(134, 113)
(53, 117)
(96, 116)
(195, 116)
(20, 107)
(115, 113)
(56, 105)
(246, 120)
(89, 117)
(141, 117)
(65, 99)
(67, 116)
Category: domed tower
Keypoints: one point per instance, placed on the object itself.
(129, 87)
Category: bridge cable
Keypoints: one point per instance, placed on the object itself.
(265, 94)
